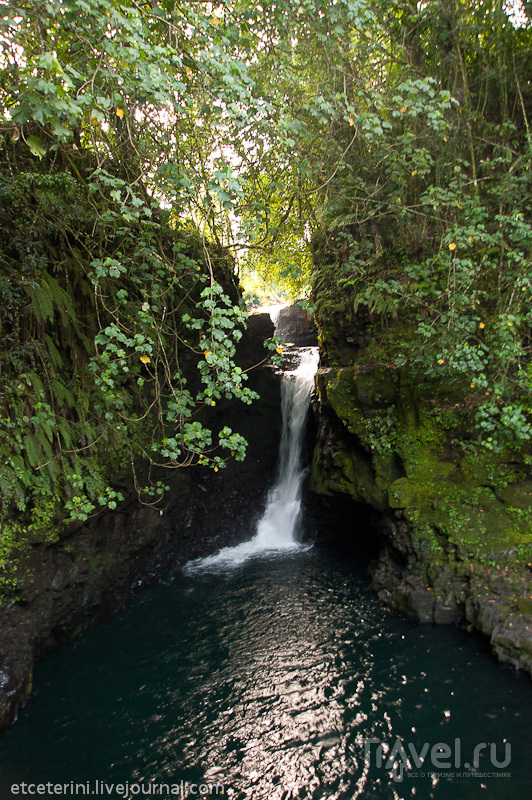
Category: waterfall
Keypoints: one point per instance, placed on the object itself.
(278, 527)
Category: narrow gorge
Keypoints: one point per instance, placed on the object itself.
(265, 399)
(262, 649)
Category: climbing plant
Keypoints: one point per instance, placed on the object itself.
(423, 200)
(120, 311)
(148, 148)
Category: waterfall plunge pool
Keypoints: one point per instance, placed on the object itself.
(266, 678)
(270, 671)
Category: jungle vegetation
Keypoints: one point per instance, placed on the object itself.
(371, 158)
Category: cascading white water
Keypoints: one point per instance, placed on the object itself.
(277, 529)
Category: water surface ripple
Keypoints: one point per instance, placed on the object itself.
(266, 678)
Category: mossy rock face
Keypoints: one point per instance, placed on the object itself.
(347, 388)
(459, 524)
(525, 605)
(519, 496)
(355, 478)
(392, 451)
(402, 494)
(456, 518)
(377, 388)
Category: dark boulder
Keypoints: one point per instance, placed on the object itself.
(295, 325)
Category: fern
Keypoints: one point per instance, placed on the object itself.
(66, 432)
(19, 493)
(14, 483)
(61, 394)
(41, 303)
(64, 304)
(7, 481)
(56, 359)
(47, 448)
(53, 469)
(32, 450)
(88, 432)
(36, 384)
(48, 429)
(88, 344)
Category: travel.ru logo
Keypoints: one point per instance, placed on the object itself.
(404, 757)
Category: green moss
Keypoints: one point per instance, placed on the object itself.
(519, 500)
(402, 493)
(402, 457)
(524, 605)
(355, 477)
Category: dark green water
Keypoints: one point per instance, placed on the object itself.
(266, 678)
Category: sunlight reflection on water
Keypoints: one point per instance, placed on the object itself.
(267, 678)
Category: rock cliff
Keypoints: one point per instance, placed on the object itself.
(457, 525)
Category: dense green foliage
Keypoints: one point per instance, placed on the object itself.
(146, 146)
(419, 122)
(120, 313)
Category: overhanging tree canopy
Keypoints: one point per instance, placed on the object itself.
(146, 144)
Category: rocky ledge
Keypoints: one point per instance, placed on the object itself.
(456, 524)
